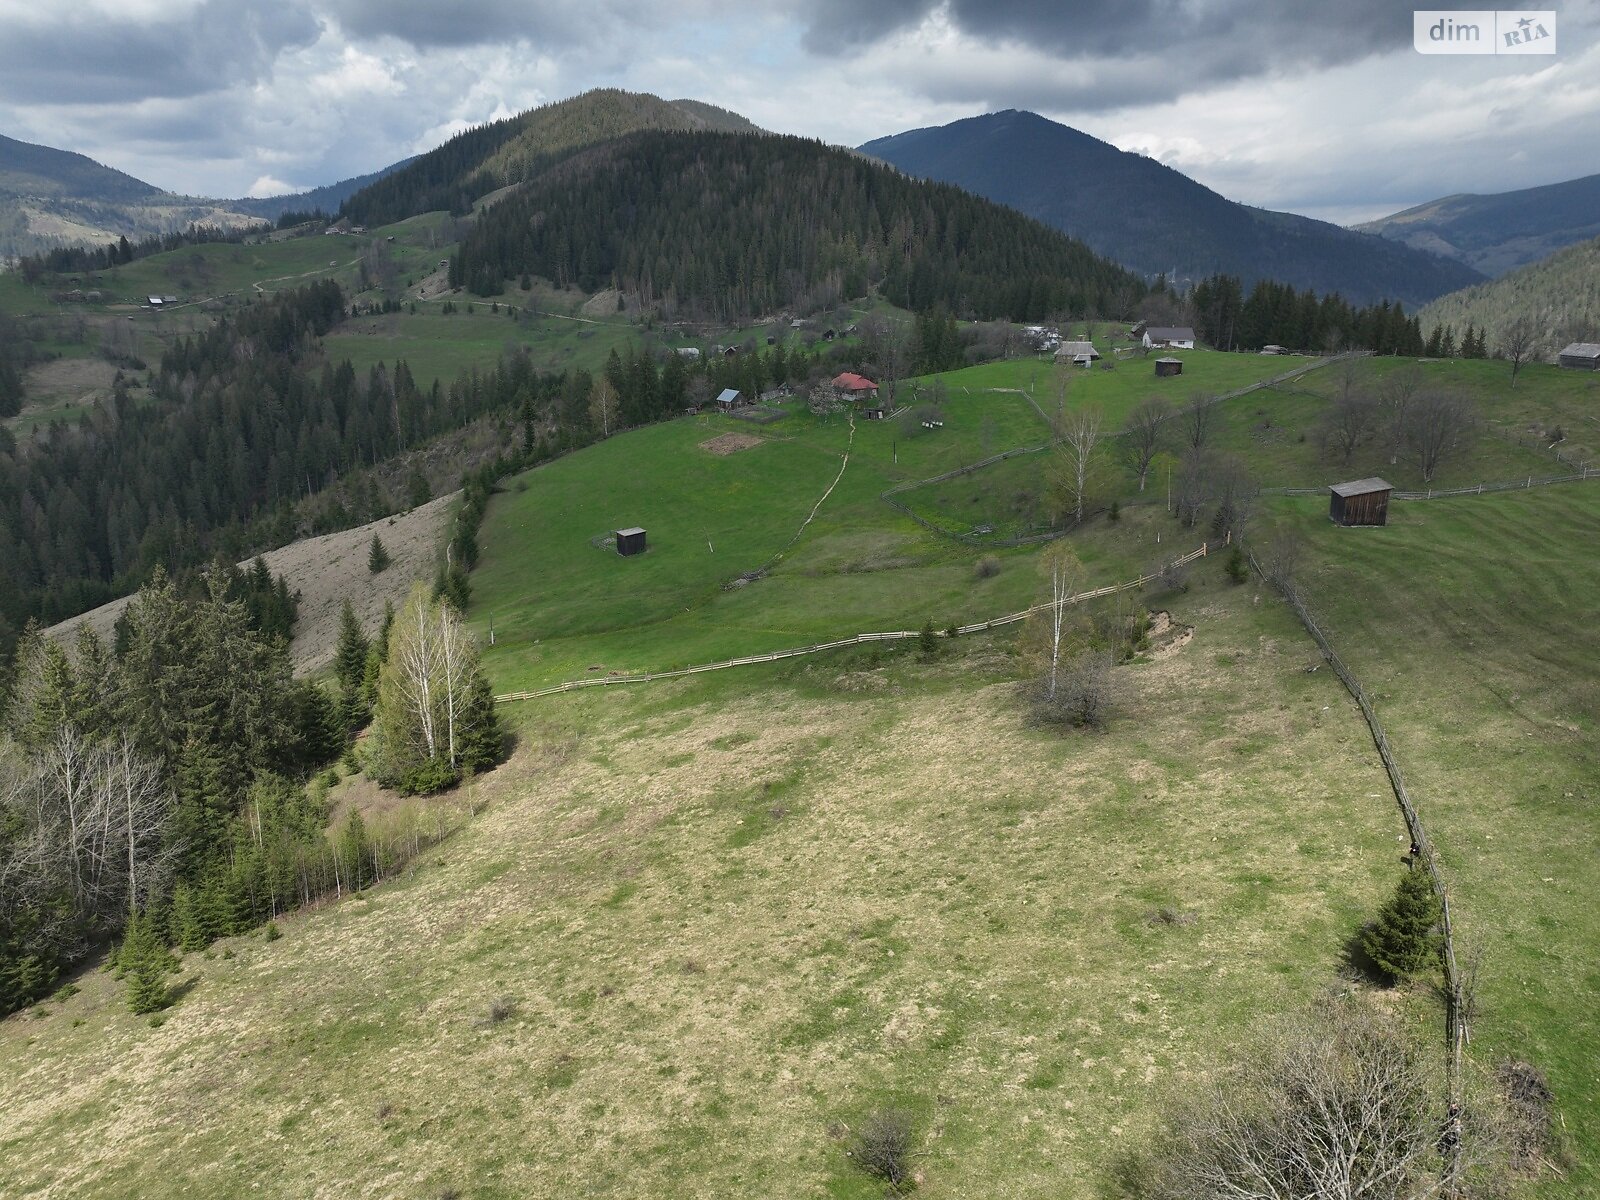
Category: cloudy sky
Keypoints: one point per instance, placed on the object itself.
(1320, 109)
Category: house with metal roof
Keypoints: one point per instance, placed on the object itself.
(1169, 337)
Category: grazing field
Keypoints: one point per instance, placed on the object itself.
(1471, 619)
(729, 918)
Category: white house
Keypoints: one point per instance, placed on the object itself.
(1179, 337)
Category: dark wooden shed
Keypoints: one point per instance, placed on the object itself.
(630, 541)
(1168, 366)
(1360, 502)
(1580, 356)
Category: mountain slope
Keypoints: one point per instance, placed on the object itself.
(1500, 232)
(51, 198)
(1560, 294)
(325, 199)
(479, 161)
(1154, 219)
(732, 226)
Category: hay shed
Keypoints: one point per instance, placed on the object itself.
(630, 541)
(1168, 366)
(1360, 502)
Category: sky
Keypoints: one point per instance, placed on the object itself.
(1321, 109)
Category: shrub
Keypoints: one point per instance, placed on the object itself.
(1114, 513)
(928, 640)
(986, 567)
(1235, 567)
(883, 1147)
(273, 932)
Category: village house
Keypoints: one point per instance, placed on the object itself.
(1082, 354)
(729, 398)
(857, 387)
(1169, 337)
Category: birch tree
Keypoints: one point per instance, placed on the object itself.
(1077, 441)
(432, 720)
(1141, 436)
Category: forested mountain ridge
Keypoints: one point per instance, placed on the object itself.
(51, 198)
(1501, 231)
(1559, 298)
(729, 226)
(517, 149)
(1153, 219)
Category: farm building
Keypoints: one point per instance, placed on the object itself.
(857, 387)
(1174, 337)
(630, 542)
(691, 353)
(1272, 349)
(1081, 353)
(1360, 502)
(729, 398)
(1168, 366)
(1581, 356)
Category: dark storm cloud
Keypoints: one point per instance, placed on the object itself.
(1186, 44)
(470, 22)
(90, 58)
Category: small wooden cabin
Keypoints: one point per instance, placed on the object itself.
(630, 541)
(1580, 356)
(1168, 366)
(1360, 502)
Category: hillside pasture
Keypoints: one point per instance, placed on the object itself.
(726, 919)
(1468, 618)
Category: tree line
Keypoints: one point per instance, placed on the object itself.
(73, 260)
(156, 787)
(1279, 314)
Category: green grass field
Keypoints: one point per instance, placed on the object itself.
(1469, 619)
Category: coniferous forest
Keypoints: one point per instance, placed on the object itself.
(727, 226)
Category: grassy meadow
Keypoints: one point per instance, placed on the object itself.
(732, 916)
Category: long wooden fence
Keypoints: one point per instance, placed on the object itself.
(855, 640)
(1456, 1031)
(1476, 489)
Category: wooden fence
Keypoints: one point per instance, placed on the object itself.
(1477, 489)
(1456, 1031)
(856, 640)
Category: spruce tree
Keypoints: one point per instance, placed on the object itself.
(378, 558)
(144, 962)
(188, 925)
(350, 665)
(1402, 939)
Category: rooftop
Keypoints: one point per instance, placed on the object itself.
(1360, 487)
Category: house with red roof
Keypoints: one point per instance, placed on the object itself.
(857, 387)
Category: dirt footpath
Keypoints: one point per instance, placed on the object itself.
(325, 570)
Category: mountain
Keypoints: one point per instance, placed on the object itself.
(1154, 219)
(51, 198)
(732, 226)
(482, 160)
(1499, 232)
(324, 199)
(1560, 294)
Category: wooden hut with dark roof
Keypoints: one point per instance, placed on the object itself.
(1360, 502)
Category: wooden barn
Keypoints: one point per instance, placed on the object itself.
(1581, 356)
(630, 541)
(1360, 502)
(1168, 366)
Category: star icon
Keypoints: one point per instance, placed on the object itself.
(1524, 23)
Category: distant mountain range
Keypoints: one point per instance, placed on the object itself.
(1499, 232)
(1560, 294)
(51, 198)
(1156, 220)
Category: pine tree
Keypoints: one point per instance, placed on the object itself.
(144, 962)
(188, 925)
(378, 558)
(1402, 939)
(350, 659)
